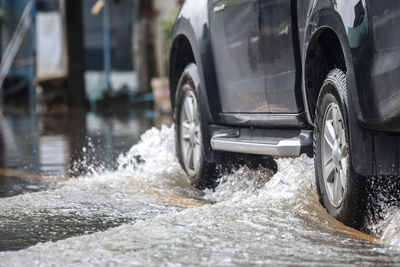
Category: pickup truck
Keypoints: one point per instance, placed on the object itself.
(255, 79)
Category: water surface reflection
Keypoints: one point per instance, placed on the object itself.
(62, 145)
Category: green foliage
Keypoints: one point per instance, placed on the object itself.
(168, 23)
(167, 29)
(1, 17)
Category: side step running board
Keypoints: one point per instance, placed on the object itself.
(292, 146)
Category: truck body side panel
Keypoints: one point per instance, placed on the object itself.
(375, 43)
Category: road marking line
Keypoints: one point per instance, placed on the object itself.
(30, 176)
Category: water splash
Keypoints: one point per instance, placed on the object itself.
(256, 218)
(153, 156)
(384, 209)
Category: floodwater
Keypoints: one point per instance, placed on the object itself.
(91, 193)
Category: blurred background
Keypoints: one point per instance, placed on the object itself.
(80, 80)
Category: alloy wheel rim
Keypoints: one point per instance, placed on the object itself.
(190, 134)
(334, 150)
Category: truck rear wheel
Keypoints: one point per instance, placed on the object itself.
(342, 191)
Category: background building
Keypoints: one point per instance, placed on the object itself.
(82, 52)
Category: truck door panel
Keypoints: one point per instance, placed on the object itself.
(235, 41)
(277, 55)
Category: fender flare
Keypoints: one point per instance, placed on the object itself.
(198, 36)
(361, 141)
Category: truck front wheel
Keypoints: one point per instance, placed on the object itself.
(192, 140)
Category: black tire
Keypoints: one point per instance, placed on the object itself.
(207, 172)
(351, 210)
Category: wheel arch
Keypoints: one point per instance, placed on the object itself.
(191, 43)
(324, 53)
(181, 55)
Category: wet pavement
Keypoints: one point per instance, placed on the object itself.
(63, 145)
(84, 189)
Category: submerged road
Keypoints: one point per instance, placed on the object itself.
(144, 212)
